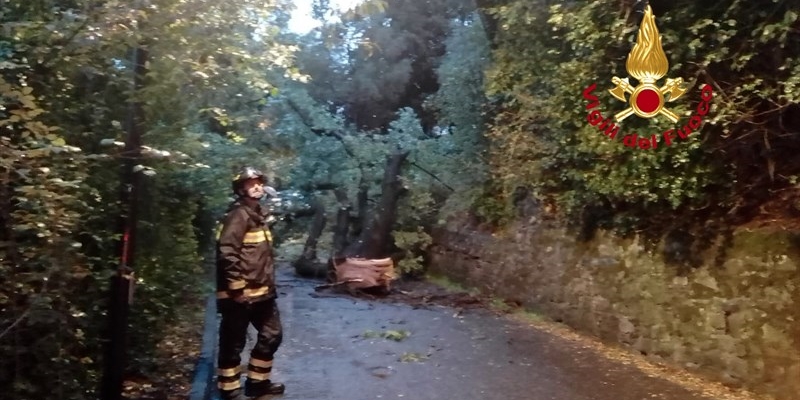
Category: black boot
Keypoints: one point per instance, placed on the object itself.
(235, 394)
(260, 389)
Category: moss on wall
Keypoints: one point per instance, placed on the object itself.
(735, 320)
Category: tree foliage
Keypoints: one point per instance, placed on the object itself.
(335, 158)
(380, 59)
(66, 73)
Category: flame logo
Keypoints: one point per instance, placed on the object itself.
(647, 62)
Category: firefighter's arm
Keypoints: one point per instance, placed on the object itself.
(230, 245)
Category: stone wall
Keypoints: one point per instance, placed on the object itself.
(738, 321)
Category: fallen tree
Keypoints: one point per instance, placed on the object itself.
(374, 241)
(359, 238)
(364, 262)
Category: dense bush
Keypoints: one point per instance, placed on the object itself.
(546, 55)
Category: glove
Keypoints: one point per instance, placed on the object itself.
(239, 297)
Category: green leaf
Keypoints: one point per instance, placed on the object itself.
(790, 17)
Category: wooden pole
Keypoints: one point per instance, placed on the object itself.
(121, 292)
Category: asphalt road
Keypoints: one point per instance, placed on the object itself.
(334, 349)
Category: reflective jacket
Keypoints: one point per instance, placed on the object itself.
(245, 262)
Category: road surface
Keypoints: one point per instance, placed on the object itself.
(343, 348)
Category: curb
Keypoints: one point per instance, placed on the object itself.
(204, 371)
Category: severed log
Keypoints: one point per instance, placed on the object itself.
(370, 276)
(366, 274)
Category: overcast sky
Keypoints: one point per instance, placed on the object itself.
(302, 21)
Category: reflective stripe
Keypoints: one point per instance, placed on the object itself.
(236, 285)
(229, 372)
(249, 237)
(258, 376)
(260, 363)
(229, 385)
(247, 292)
(255, 237)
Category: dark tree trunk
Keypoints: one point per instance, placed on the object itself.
(317, 225)
(360, 221)
(307, 264)
(116, 357)
(374, 241)
(339, 233)
(6, 222)
(363, 207)
(342, 227)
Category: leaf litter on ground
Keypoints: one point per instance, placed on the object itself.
(396, 335)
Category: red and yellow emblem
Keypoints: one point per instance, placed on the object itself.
(648, 63)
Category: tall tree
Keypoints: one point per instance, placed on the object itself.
(386, 60)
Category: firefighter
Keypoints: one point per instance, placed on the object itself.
(246, 291)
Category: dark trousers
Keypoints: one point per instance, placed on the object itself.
(236, 317)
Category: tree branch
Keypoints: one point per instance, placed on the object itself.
(305, 119)
(59, 54)
(432, 176)
(17, 322)
(28, 311)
